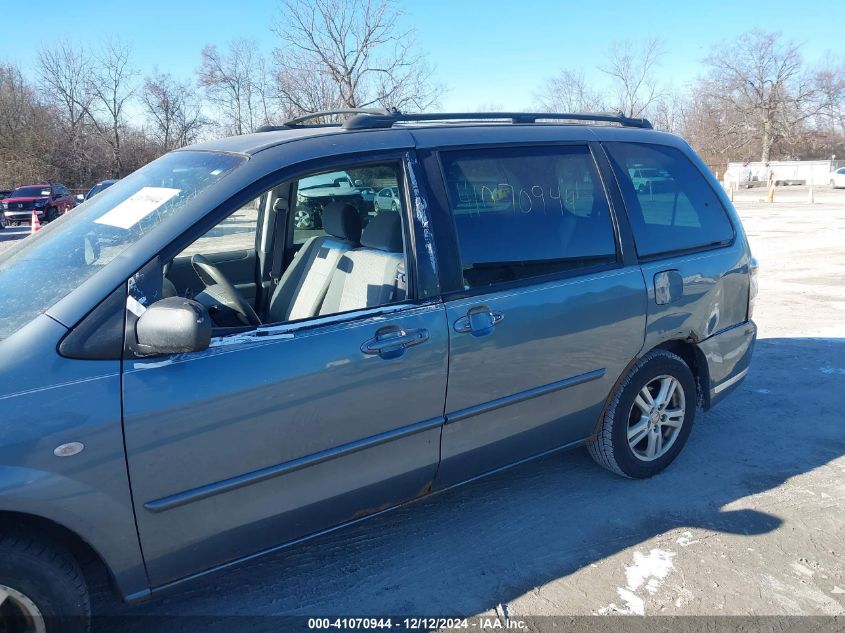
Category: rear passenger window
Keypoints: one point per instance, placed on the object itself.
(670, 205)
(528, 212)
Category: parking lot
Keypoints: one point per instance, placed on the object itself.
(11, 234)
(750, 520)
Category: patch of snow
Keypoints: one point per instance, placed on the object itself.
(152, 365)
(686, 539)
(802, 569)
(648, 570)
(830, 371)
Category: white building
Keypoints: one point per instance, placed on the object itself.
(784, 172)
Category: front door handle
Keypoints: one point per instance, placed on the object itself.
(479, 321)
(391, 341)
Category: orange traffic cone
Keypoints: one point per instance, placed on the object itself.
(36, 225)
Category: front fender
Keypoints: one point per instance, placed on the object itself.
(46, 401)
(93, 515)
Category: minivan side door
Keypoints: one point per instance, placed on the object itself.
(278, 432)
(551, 307)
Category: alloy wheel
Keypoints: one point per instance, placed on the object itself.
(302, 219)
(18, 614)
(656, 418)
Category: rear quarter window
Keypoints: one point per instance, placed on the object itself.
(670, 204)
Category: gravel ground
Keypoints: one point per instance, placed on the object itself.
(750, 520)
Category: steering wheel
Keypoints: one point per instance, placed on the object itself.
(221, 289)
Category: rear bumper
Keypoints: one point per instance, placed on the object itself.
(728, 358)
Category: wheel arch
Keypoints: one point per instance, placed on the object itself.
(690, 353)
(695, 360)
(84, 553)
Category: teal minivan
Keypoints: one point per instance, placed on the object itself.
(189, 377)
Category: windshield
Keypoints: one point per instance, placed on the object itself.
(43, 268)
(99, 187)
(30, 192)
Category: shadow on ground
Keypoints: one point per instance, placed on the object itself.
(464, 551)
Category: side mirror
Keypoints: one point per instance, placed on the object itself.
(173, 325)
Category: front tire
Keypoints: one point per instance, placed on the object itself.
(648, 417)
(51, 214)
(42, 588)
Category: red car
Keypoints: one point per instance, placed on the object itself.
(49, 201)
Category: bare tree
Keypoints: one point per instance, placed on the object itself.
(632, 70)
(25, 130)
(569, 91)
(306, 89)
(112, 85)
(760, 78)
(237, 83)
(830, 78)
(65, 75)
(175, 115)
(350, 53)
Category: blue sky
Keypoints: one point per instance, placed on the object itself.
(485, 52)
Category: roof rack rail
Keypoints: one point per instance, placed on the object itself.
(298, 121)
(384, 119)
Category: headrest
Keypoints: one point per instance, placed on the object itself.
(384, 232)
(342, 220)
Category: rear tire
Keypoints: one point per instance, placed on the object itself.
(41, 587)
(641, 434)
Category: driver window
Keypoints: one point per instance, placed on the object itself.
(339, 251)
(235, 233)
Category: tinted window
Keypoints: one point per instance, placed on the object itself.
(526, 212)
(670, 204)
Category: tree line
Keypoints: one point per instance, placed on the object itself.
(758, 99)
(85, 114)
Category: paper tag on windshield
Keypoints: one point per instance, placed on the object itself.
(137, 206)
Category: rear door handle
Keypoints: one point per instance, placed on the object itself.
(391, 341)
(479, 321)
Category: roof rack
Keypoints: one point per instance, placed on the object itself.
(375, 118)
(298, 121)
(384, 119)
